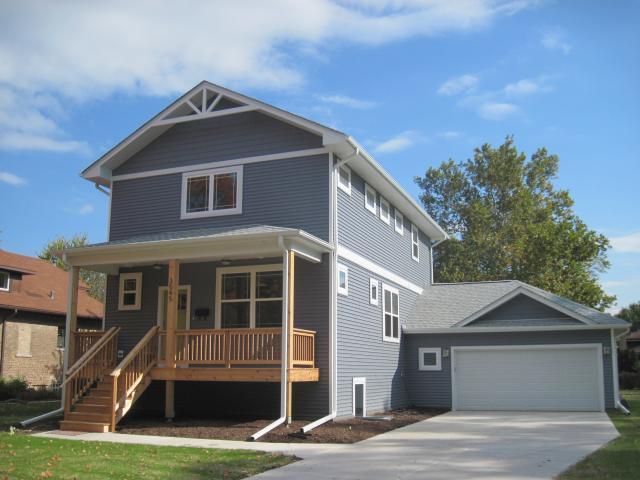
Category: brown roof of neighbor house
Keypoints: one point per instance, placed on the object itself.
(634, 336)
(43, 288)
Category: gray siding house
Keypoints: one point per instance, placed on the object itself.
(261, 263)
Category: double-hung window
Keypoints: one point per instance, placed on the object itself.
(344, 179)
(385, 211)
(370, 198)
(398, 221)
(130, 295)
(390, 314)
(212, 192)
(4, 281)
(415, 243)
(249, 297)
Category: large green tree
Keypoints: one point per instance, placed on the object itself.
(52, 253)
(632, 315)
(508, 221)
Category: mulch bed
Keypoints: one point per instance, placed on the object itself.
(350, 430)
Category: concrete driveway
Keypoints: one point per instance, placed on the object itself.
(478, 445)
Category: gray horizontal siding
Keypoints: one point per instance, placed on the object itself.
(361, 350)
(524, 311)
(366, 234)
(433, 388)
(284, 193)
(216, 139)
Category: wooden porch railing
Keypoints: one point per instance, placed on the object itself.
(90, 367)
(83, 341)
(240, 346)
(131, 373)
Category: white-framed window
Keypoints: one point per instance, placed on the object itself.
(415, 243)
(249, 296)
(212, 192)
(385, 211)
(343, 280)
(430, 358)
(390, 314)
(370, 198)
(359, 397)
(374, 292)
(398, 222)
(129, 297)
(344, 179)
(5, 281)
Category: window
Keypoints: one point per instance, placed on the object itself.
(373, 291)
(359, 399)
(370, 199)
(344, 179)
(130, 291)
(415, 243)
(343, 280)
(385, 211)
(398, 220)
(4, 281)
(430, 358)
(60, 338)
(249, 297)
(24, 340)
(390, 314)
(212, 192)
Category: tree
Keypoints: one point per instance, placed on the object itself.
(507, 221)
(95, 281)
(632, 315)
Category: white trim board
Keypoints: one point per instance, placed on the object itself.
(548, 328)
(377, 269)
(222, 163)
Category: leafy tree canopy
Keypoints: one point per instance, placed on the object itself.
(632, 315)
(52, 253)
(508, 221)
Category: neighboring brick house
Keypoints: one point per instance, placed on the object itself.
(33, 295)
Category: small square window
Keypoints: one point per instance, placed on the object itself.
(373, 291)
(398, 222)
(370, 198)
(385, 211)
(430, 358)
(343, 280)
(4, 281)
(60, 338)
(130, 291)
(415, 243)
(344, 179)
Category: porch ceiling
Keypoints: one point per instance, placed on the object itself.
(256, 241)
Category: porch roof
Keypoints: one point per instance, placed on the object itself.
(248, 241)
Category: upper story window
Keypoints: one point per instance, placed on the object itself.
(390, 314)
(212, 192)
(343, 280)
(370, 198)
(130, 294)
(398, 221)
(5, 280)
(344, 179)
(415, 243)
(385, 211)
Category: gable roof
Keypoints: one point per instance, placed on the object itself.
(454, 305)
(36, 288)
(207, 100)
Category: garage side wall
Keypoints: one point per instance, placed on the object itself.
(433, 388)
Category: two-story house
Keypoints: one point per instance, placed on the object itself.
(259, 262)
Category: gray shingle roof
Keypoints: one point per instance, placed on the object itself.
(443, 305)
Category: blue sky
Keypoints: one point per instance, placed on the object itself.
(417, 82)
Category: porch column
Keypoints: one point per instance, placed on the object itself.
(290, 307)
(71, 325)
(173, 283)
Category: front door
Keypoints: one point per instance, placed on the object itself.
(184, 307)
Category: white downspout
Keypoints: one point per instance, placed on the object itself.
(284, 345)
(614, 364)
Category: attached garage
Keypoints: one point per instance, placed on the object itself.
(534, 377)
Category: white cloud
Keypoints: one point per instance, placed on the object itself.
(12, 179)
(449, 135)
(556, 41)
(86, 209)
(497, 110)
(398, 142)
(347, 101)
(627, 243)
(462, 84)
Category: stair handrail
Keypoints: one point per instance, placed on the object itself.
(89, 354)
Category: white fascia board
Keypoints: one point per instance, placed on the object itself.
(558, 328)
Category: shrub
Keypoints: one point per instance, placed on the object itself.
(629, 380)
(627, 360)
(12, 388)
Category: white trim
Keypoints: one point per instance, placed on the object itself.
(251, 270)
(393, 291)
(345, 188)
(342, 290)
(386, 219)
(137, 276)
(377, 269)
(8, 287)
(359, 381)
(374, 283)
(223, 163)
(614, 369)
(202, 116)
(597, 347)
(398, 229)
(415, 242)
(333, 295)
(438, 364)
(368, 189)
(211, 174)
(160, 310)
(548, 328)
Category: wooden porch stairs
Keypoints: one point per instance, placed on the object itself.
(92, 413)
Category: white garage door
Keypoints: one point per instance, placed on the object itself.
(562, 378)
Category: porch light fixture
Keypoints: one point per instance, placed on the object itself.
(445, 352)
(606, 350)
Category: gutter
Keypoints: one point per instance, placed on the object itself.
(420, 330)
(614, 361)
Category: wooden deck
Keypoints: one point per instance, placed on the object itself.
(233, 374)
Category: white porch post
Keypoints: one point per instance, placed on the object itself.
(284, 355)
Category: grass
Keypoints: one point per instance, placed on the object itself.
(621, 457)
(12, 413)
(23, 456)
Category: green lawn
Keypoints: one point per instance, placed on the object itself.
(12, 413)
(620, 458)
